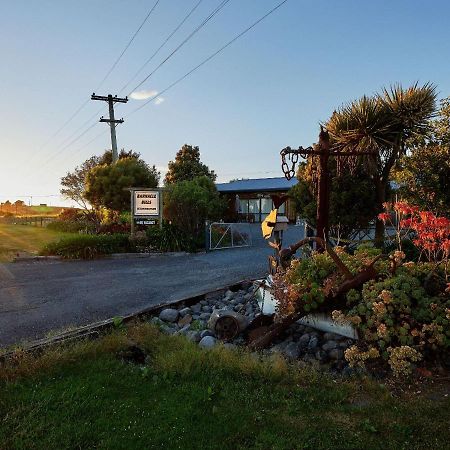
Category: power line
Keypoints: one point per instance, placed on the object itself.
(221, 49)
(201, 25)
(162, 45)
(196, 30)
(129, 43)
(77, 111)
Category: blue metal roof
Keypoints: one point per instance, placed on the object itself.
(257, 185)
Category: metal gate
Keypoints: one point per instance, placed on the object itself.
(229, 235)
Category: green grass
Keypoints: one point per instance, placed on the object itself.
(24, 239)
(84, 396)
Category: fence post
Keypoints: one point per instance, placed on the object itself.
(207, 236)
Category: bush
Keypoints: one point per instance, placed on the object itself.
(170, 238)
(69, 227)
(89, 246)
(188, 204)
(402, 316)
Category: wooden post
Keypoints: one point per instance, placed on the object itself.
(132, 213)
(323, 192)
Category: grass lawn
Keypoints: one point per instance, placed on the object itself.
(85, 396)
(24, 239)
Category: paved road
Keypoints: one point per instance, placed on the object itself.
(37, 297)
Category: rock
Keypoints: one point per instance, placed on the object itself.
(203, 302)
(196, 309)
(331, 336)
(291, 350)
(237, 308)
(205, 316)
(196, 316)
(169, 315)
(330, 345)
(321, 356)
(206, 308)
(187, 319)
(204, 333)
(228, 295)
(247, 297)
(336, 354)
(193, 335)
(313, 342)
(185, 311)
(207, 342)
(184, 330)
(169, 329)
(304, 339)
(156, 321)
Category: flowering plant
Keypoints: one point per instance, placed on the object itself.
(431, 233)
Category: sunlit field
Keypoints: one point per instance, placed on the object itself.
(24, 239)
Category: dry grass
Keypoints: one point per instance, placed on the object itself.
(24, 239)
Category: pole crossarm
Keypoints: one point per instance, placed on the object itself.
(104, 98)
(112, 120)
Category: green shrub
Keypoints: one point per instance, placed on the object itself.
(402, 316)
(188, 204)
(170, 238)
(89, 246)
(69, 227)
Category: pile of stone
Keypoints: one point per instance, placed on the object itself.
(299, 342)
(314, 346)
(192, 321)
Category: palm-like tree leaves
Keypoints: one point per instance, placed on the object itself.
(383, 121)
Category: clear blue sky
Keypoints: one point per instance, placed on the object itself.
(268, 90)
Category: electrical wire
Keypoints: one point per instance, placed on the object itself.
(221, 49)
(196, 30)
(81, 107)
(215, 11)
(128, 45)
(186, 17)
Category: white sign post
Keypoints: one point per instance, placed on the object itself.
(146, 203)
(146, 206)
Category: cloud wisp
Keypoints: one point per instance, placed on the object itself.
(143, 95)
(158, 100)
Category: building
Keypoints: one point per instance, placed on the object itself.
(250, 201)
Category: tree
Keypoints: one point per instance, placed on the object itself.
(424, 173)
(383, 124)
(106, 184)
(74, 183)
(352, 199)
(187, 166)
(106, 158)
(189, 203)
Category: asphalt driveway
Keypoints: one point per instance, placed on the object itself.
(37, 297)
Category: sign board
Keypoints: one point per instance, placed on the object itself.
(145, 222)
(146, 203)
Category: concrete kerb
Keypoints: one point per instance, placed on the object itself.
(19, 259)
(94, 330)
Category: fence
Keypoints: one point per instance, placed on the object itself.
(229, 235)
(38, 221)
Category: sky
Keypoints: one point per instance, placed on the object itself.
(269, 89)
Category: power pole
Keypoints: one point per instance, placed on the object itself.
(112, 121)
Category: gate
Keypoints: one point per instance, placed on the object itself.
(229, 235)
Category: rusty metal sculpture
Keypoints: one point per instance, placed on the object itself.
(323, 151)
(260, 335)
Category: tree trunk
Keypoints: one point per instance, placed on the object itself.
(380, 189)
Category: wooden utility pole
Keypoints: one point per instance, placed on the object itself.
(112, 121)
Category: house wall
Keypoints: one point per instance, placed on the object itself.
(254, 206)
